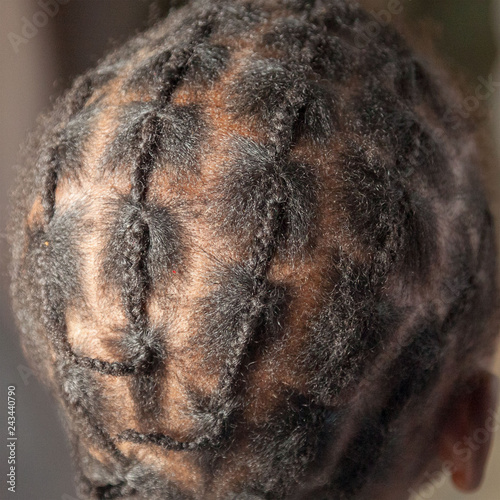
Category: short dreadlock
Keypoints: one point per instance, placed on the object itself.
(247, 251)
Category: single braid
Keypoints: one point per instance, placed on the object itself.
(136, 280)
(52, 317)
(262, 252)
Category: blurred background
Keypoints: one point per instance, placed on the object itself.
(37, 63)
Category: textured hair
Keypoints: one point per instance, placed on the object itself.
(250, 254)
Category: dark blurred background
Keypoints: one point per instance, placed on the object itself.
(35, 70)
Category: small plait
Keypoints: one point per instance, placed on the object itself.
(237, 20)
(340, 17)
(174, 140)
(60, 244)
(153, 71)
(371, 192)
(311, 46)
(56, 253)
(253, 176)
(145, 350)
(419, 363)
(423, 153)
(385, 213)
(82, 399)
(72, 142)
(295, 434)
(415, 147)
(242, 316)
(164, 246)
(354, 321)
(262, 86)
(406, 81)
(54, 256)
(317, 118)
(300, 6)
(411, 375)
(265, 88)
(130, 135)
(50, 161)
(162, 440)
(86, 86)
(165, 70)
(207, 63)
(226, 307)
(359, 459)
(378, 112)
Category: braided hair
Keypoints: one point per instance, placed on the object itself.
(247, 252)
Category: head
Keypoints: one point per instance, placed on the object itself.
(253, 258)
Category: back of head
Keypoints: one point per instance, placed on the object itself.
(251, 255)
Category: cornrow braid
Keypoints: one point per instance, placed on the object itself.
(51, 292)
(247, 252)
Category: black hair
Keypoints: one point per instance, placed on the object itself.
(246, 251)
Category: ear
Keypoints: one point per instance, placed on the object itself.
(469, 426)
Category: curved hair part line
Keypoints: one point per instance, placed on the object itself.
(247, 251)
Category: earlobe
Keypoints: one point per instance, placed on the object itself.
(468, 431)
